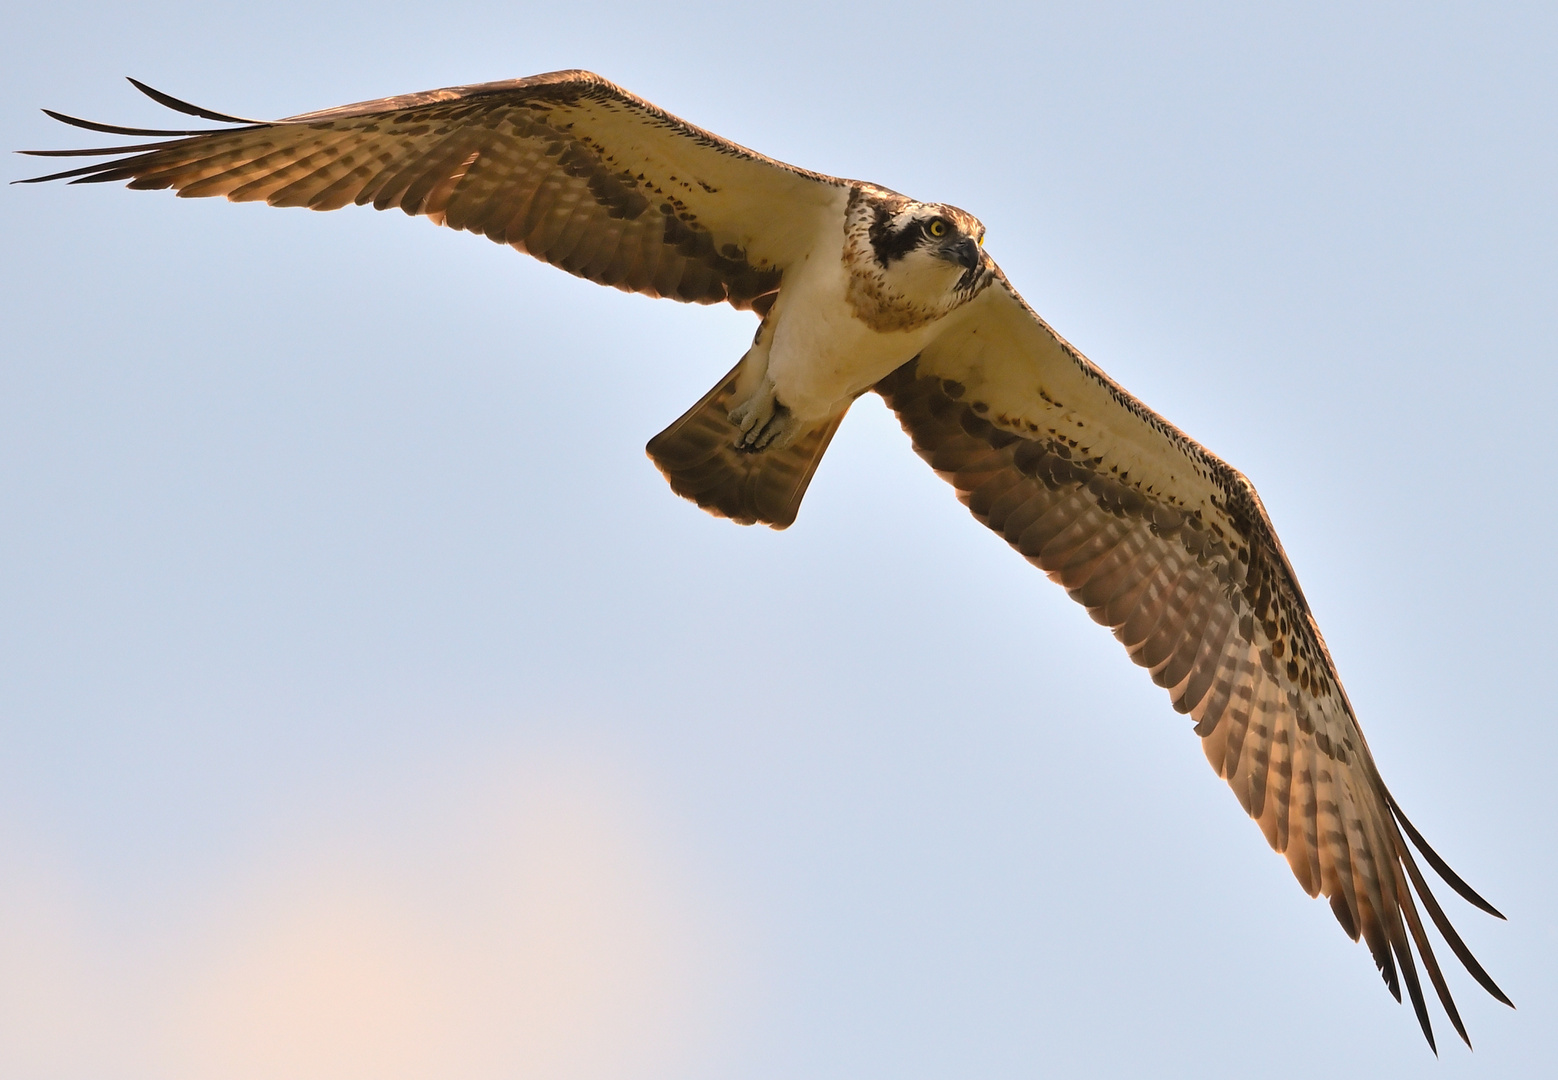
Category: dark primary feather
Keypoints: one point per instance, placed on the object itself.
(186, 108)
(93, 151)
(110, 129)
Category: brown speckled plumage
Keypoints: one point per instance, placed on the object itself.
(870, 295)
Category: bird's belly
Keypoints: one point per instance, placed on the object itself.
(822, 356)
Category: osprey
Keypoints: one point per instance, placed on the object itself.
(857, 289)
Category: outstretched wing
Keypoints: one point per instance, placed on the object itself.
(1171, 549)
(566, 166)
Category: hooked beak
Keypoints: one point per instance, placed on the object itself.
(964, 252)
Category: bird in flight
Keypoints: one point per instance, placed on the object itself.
(858, 288)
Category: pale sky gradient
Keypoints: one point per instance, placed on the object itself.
(369, 706)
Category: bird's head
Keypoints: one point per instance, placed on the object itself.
(914, 262)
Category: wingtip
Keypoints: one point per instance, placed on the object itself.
(1442, 868)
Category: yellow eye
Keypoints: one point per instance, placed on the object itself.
(937, 227)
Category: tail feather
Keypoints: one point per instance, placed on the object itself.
(698, 455)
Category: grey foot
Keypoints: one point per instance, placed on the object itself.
(764, 421)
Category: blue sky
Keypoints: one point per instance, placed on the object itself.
(371, 707)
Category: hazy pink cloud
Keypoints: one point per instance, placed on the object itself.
(538, 924)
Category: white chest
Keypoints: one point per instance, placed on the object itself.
(821, 354)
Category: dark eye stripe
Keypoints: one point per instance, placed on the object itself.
(888, 246)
